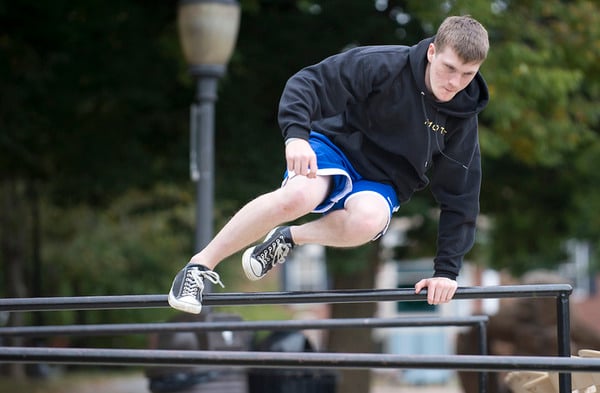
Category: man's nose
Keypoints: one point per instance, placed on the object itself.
(454, 80)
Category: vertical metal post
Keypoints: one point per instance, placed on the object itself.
(202, 141)
(564, 338)
(203, 152)
(483, 350)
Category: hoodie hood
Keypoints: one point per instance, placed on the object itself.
(466, 103)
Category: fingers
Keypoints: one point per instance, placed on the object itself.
(301, 159)
(312, 166)
(439, 289)
(420, 285)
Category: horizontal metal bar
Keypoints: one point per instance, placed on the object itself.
(260, 298)
(135, 328)
(147, 357)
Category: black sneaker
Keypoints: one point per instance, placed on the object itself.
(258, 260)
(188, 285)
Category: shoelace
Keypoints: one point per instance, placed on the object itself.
(274, 254)
(211, 275)
(195, 276)
(281, 251)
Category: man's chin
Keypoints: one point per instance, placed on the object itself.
(445, 96)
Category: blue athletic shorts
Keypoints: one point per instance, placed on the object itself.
(346, 181)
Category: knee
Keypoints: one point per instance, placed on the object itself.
(296, 203)
(370, 219)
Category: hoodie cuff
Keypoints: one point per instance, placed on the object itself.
(445, 274)
(296, 132)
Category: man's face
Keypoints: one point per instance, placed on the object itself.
(447, 74)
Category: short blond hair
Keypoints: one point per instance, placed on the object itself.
(466, 36)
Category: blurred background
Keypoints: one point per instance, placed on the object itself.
(98, 114)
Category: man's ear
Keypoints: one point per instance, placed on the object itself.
(430, 52)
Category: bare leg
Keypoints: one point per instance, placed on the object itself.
(364, 217)
(297, 198)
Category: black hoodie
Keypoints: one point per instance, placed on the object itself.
(373, 104)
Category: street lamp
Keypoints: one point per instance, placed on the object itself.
(207, 30)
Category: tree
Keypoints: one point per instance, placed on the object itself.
(542, 116)
(85, 114)
(77, 115)
(538, 134)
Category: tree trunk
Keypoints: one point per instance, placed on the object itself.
(12, 250)
(353, 269)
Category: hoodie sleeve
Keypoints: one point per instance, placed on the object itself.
(455, 185)
(329, 87)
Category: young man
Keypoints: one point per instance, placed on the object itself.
(363, 130)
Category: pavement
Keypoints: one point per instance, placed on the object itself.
(138, 383)
(391, 382)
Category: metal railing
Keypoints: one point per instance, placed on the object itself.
(563, 363)
(478, 321)
(339, 323)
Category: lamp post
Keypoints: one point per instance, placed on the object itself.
(208, 30)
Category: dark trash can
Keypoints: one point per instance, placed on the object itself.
(268, 380)
(201, 379)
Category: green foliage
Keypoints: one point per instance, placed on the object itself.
(584, 221)
(85, 102)
(134, 246)
(533, 117)
(542, 116)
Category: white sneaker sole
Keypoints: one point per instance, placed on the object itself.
(247, 265)
(182, 305)
(247, 259)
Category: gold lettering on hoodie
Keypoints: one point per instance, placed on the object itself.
(435, 127)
